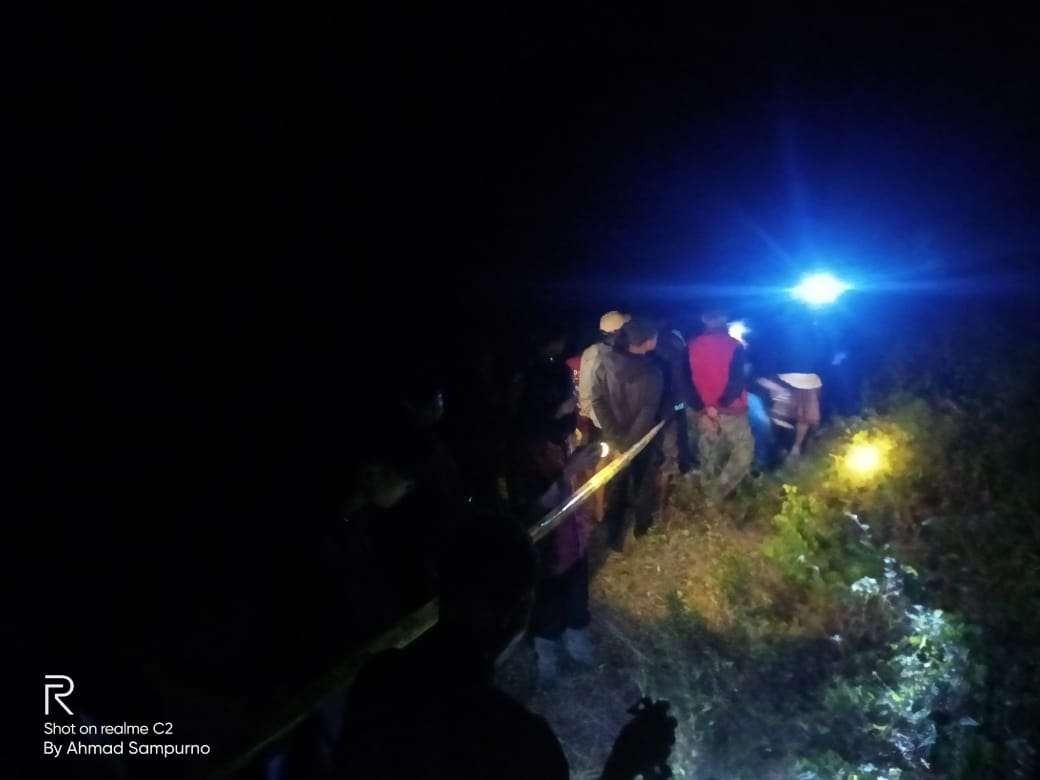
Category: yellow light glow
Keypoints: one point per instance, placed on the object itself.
(863, 460)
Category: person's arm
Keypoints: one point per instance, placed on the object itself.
(773, 388)
(736, 382)
(586, 377)
(601, 405)
(682, 386)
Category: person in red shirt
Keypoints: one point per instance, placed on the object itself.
(725, 442)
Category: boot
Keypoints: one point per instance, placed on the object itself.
(549, 652)
(579, 646)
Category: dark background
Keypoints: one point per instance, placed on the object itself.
(245, 228)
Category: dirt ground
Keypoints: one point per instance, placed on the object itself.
(629, 598)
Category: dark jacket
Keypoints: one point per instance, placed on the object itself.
(626, 396)
(671, 350)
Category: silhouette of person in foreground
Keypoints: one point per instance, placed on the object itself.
(431, 710)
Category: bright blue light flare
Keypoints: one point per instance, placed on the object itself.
(738, 329)
(820, 289)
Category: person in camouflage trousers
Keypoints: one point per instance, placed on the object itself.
(725, 441)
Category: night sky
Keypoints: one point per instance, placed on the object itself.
(296, 153)
(244, 223)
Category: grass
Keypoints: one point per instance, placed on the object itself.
(694, 612)
(795, 639)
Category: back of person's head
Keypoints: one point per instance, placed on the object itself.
(714, 318)
(546, 340)
(487, 576)
(618, 339)
(640, 334)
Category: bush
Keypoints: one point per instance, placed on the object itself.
(819, 545)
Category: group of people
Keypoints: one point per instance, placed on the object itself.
(419, 529)
(636, 376)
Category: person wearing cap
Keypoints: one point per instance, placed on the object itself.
(610, 325)
(626, 399)
(725, 441)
